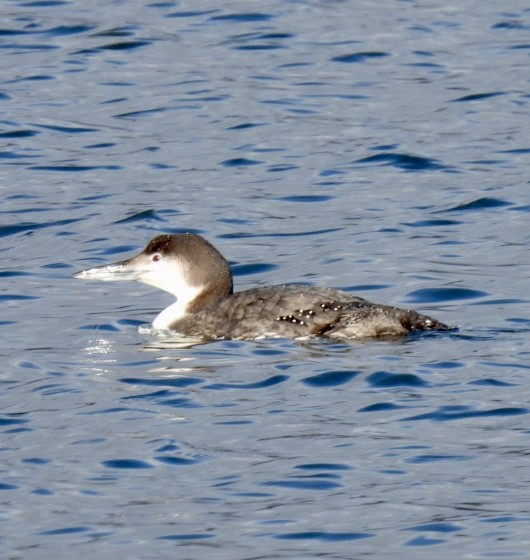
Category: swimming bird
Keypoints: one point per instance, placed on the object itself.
(196, 273)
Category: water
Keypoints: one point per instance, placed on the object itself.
(379, 148)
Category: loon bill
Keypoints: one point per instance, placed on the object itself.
(195, 272)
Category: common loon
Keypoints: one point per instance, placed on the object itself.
(195, 272)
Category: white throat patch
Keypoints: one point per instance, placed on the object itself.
(177, 310)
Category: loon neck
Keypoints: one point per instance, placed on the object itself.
(191, 301)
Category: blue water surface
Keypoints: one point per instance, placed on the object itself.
(381, 148)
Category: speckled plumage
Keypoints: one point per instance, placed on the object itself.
(299, 311)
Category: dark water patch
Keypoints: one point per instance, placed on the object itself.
(501, 301)
(295, 65)
(258, 47)
(324, 467)
(461, 412)
(403, 161)
(61, 30)
(121, 31)
(29, 365)
(380, 407)
(16, 297)
(117, 249)
(276, 35)
(420, 459)
(384, 379)
(19, 134)
(424, 541)
(94, 197)
(10, 32)
(226, 480)
(515, 151)
(432, 223)
(186, 537)
(511, 24)
(64, 531)
(111, 410)
(280, 167)
(483, 203)
(42, 492)
(244, 126)
(35, 78)
(306, 198)
(22, 48)
(234, 423)
(268, 382)
(253, 494)
(138, 114)
(273, 351)
(486, 161)
(66, 129)
(29, 210)
(255, 268)
(324, 536)
(505, 519)
(365, 287)
(44, 3)
(489, 382)
(168, 445)
(359, 57)
(240, 162)
(145, 215)
(436, 527)
(74, 168)
(350, 97)
(164, 382)
(116, 99)
(522, 208)
(13, 419)
(179, 461)
(105, 327)
(445, 365)
(304, 484)
(190, 13)
(126, 464)
(329, 173)
(436, 295)
(428, 65)
(243, 17)
(14, 155)
(54, 389)
(161, 166)
(477, 96)
(123, 45)
(164, 397)
(330, 378)
(56, 266)
(99, 146)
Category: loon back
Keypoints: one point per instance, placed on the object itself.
(301, 311)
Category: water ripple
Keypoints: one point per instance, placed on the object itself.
(449, 413)
(324, 536)
(404, 161)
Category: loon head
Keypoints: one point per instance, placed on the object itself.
(184, 265)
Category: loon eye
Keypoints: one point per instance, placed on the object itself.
(156, 258)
